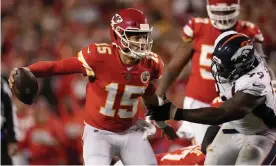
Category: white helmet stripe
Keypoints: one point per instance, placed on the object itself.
(223, 35)
(144, 27)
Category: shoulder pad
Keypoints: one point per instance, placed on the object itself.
(154, 57)
(253, 30)
(255, 82)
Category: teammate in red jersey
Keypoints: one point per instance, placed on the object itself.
(199, 35)
(191, 155)
(119, 73)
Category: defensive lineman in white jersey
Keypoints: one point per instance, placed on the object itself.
(248, 133)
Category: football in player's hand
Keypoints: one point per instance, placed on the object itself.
(25, 86)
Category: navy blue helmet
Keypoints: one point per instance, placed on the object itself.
(233, 56)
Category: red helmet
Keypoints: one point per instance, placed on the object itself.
(223, 13)
(131, 22)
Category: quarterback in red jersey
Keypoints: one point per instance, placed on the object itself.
(119, 73)
(199, 35)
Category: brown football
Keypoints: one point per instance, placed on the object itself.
(25, 86)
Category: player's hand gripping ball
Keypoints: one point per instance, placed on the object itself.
(24, 85)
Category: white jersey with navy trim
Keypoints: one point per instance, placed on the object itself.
(256, 82)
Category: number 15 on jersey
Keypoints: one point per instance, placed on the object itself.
(126, 100)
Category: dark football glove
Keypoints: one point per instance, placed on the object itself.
(159, 113)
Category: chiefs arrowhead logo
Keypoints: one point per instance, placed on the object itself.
(145, 77)
(117, 19)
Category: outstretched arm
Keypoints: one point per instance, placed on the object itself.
(51, 68)
(61, 67)
(233, 109)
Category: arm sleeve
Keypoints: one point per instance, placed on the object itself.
(80, 64)
(258, 36)
(255, 83)
(255, 88)
(62, 67)
(156, 75)
(254, 31)
(87, 58)
(188, 31)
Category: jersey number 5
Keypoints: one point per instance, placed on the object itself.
(205, 62)
(126, 100)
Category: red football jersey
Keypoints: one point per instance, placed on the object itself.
(112, 98)
(201, 84)
(191, 155)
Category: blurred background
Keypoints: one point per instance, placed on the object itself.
(35, 30)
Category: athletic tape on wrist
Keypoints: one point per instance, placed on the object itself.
(160, 101)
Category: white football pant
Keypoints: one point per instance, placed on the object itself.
(99, 146)
(239, 149)
(189, 130)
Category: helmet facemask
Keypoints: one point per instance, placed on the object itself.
(223, 17)
(136, 43)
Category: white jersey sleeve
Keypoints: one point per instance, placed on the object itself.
(256, 82)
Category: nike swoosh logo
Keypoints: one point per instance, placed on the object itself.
(258, 85)
(255, 84)
(88, 51)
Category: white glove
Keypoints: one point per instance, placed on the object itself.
(147, 128)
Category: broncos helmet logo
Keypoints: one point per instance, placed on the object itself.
(243, 51)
